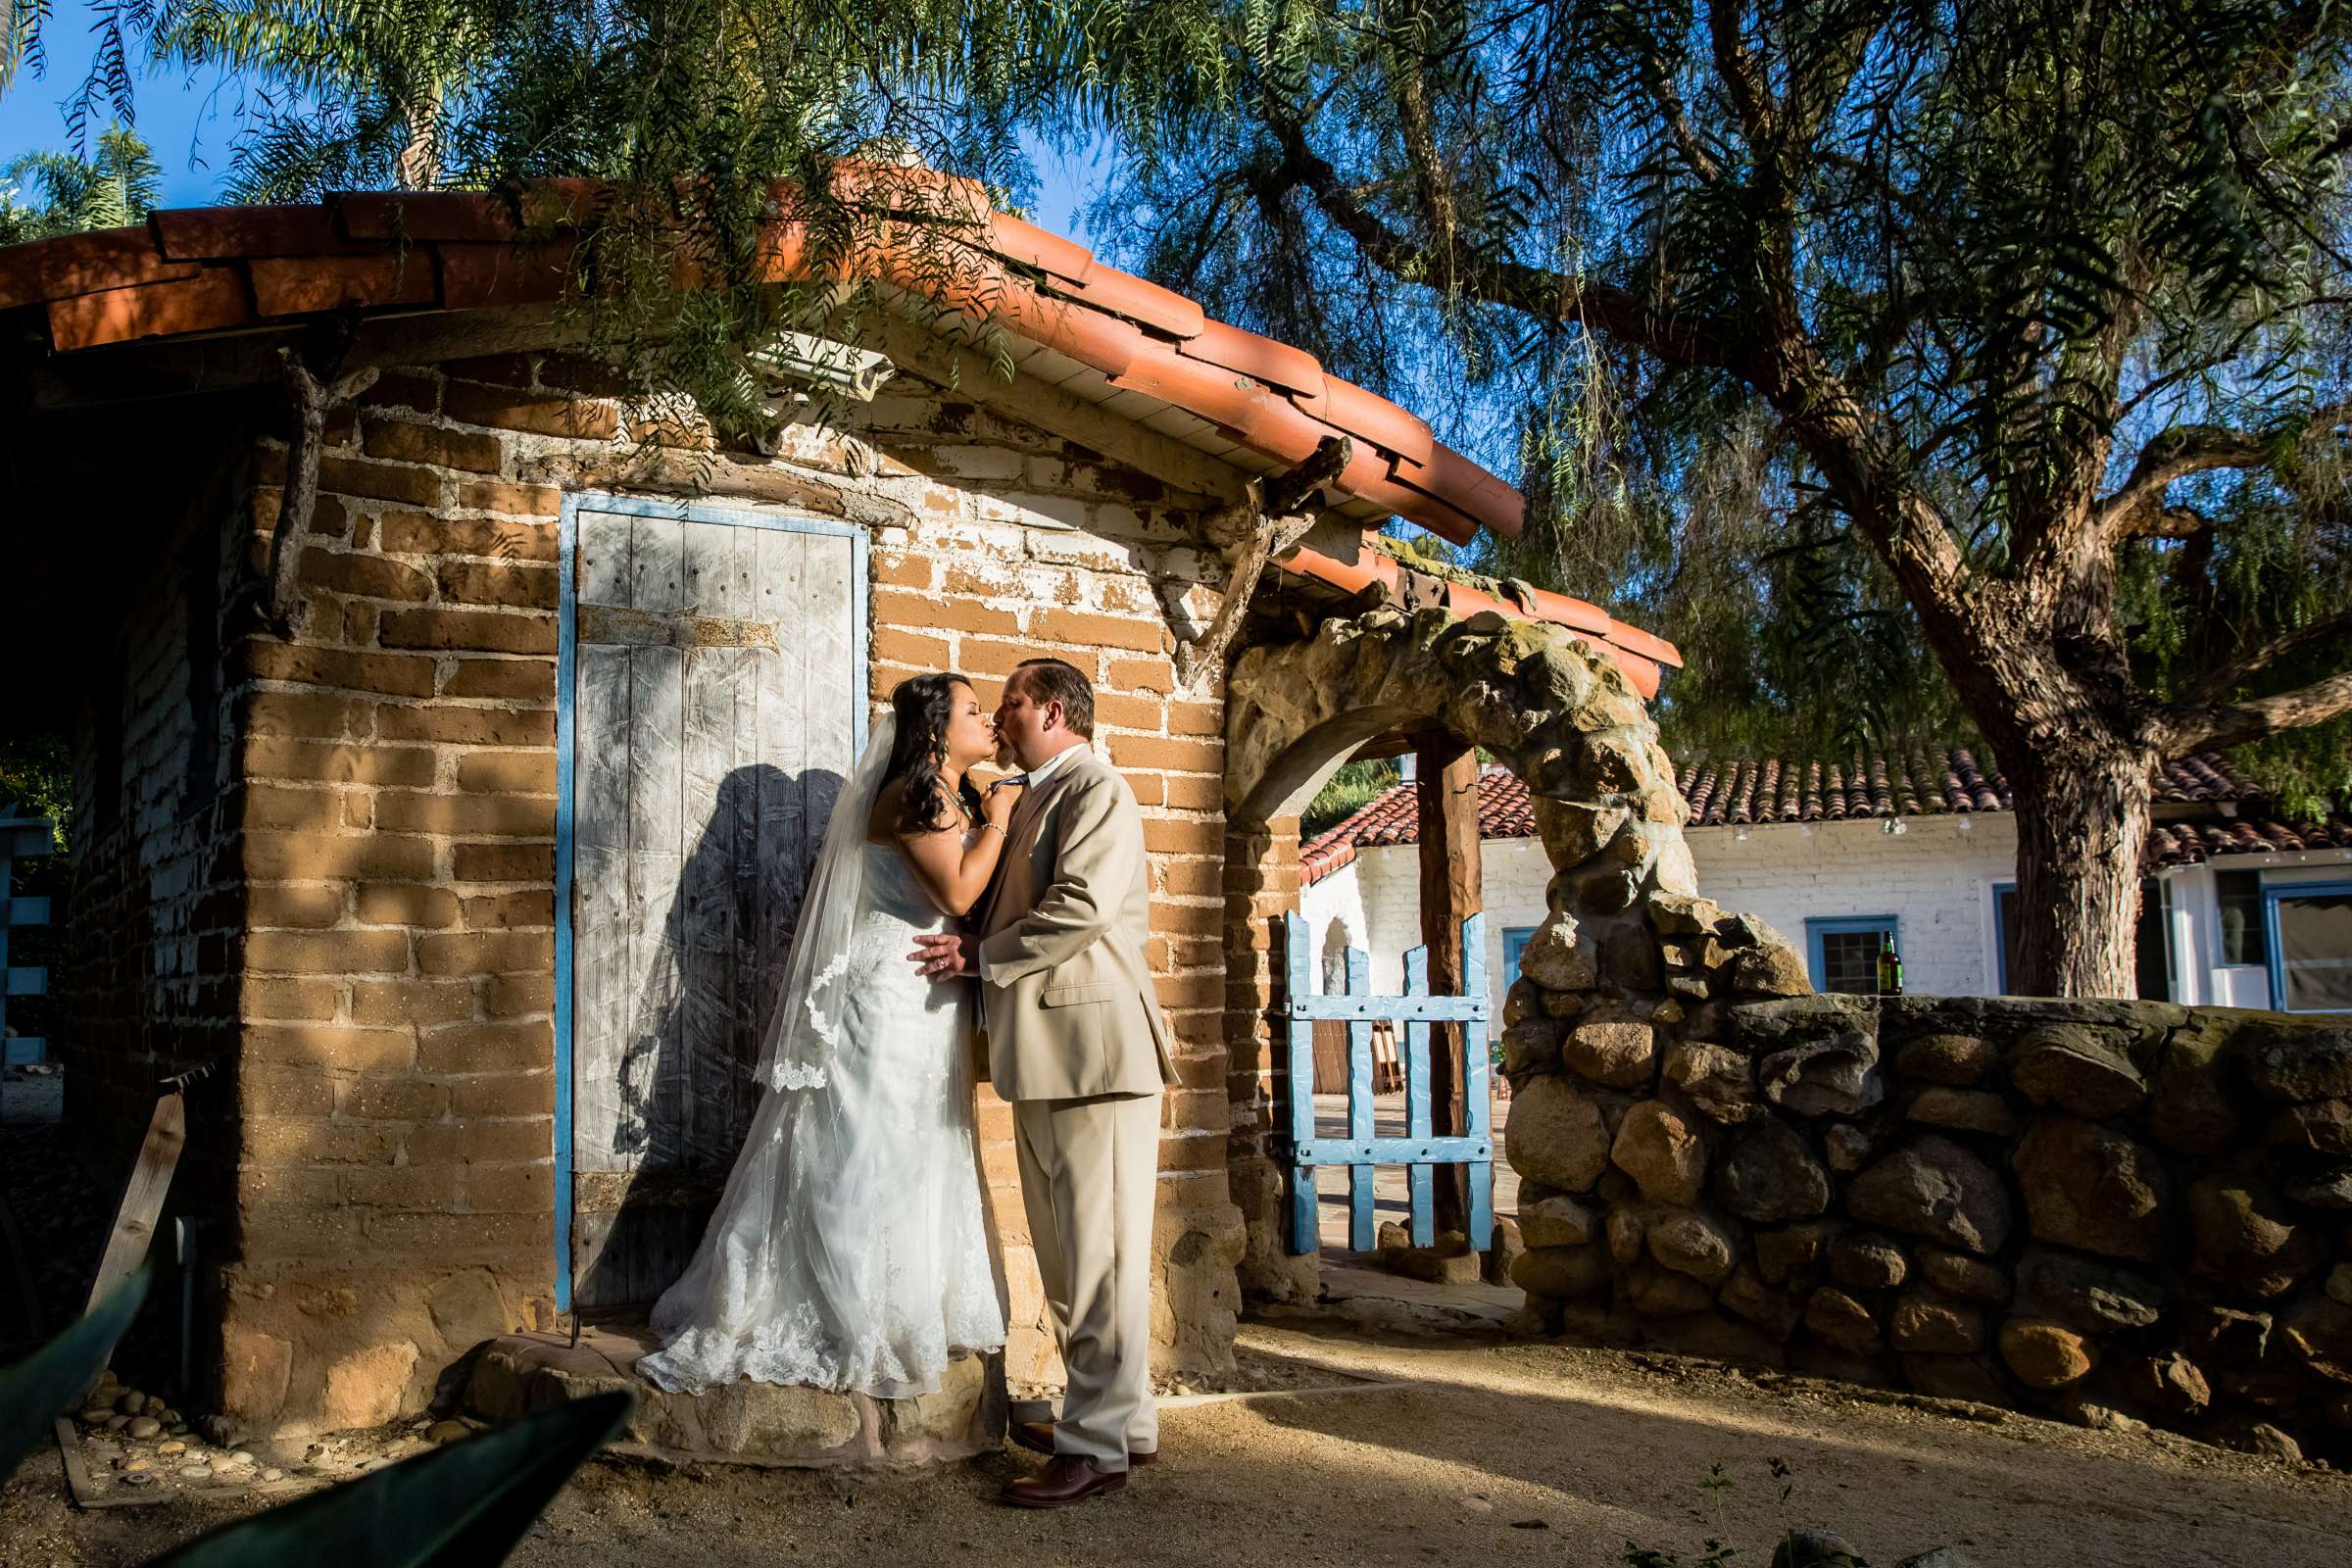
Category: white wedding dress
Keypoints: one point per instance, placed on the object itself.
(849, 1250)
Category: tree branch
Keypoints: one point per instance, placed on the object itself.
(1538, 291)
(2218, 683)
(1737, 68)
(2236, 724)
(1432, 184)
(2187, 449)
(1677, 114)
(2164, 523)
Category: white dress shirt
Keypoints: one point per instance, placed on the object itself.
(1031, 780)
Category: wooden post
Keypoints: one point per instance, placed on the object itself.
(1447, 770)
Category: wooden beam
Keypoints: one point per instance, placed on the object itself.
(1380, 746)
(1274, 523)
(1204, 482)
(1447, 770)
(142, 1200)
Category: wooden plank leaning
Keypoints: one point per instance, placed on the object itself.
(142, 1201)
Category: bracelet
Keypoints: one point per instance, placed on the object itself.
(999, 826)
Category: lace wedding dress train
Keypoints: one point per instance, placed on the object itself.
(849, 1250)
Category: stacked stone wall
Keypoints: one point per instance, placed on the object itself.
(395, 774)
(2106, 1211)
(2099, 1210)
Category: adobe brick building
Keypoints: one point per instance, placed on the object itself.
(471, 871)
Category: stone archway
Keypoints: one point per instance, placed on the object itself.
(1605, 974)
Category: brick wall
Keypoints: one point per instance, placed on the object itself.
(144, 983)
(395, 1177)
(395, 1193)
(1261, 885)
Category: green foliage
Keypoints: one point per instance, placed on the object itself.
(43, 1386)
(1718, 1552)
(389, 66)
(2006, 242)
(37, 777)
(1346, 793)
(115, 188)
(705, 122)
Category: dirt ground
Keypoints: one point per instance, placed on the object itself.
(1485, 1453)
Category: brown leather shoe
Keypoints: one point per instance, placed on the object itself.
(1037, 1438)
(1063, 1484)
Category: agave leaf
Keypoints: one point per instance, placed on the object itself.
(42, 1387)
(464, 1506)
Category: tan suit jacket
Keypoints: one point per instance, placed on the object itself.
(1066, 992)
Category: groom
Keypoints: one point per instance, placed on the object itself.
(1077, 1045)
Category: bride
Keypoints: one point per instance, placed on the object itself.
(849, 1252)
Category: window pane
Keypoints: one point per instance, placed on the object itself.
(2315, 957)
(2006, 898)
(1849, 960)
(1514, 943)
(2152, 943)
(2244, 940)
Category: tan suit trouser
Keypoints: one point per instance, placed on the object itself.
(1088, 1173)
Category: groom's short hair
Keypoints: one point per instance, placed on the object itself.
(1050, 681)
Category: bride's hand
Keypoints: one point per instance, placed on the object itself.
(995, 806)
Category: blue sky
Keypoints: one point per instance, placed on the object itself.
(191, 122)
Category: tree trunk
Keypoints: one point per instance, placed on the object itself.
(1449, 895)
(2082, 824)
(419, 164)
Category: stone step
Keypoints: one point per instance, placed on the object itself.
(746, 1423)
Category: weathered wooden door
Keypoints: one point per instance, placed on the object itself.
(712, 701)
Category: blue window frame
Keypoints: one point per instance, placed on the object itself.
(1843, 951)
(2308, 925)
(1514, 941)
(2004, 935)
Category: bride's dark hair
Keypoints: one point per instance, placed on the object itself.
(923, 706)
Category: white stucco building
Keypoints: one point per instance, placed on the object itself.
(2241, 909)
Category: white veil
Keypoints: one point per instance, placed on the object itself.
(805, 1032)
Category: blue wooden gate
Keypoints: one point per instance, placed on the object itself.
(21, 838)
(1362, 1150)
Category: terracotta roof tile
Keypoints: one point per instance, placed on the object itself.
(209, 299)
(303, 285)
(2186, 842)
(84, 264)
(1394, 816)
(212, 233)
(215, 269)
(1948, 781)
(1035, 284)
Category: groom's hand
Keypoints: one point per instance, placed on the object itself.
(945, 955)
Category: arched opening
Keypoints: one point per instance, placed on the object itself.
(1537, 701)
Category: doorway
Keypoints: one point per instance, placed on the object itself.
(711, 699)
